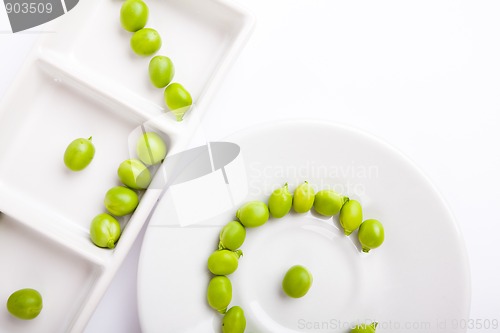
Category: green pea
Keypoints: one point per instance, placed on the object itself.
(145, 42)
(134, 15)
(364, 328)
(134, 174)
(253, 214)
(121, 201)
(223, 262)
(25, 303)
(234, 321)
(371, 234)
(351, 216)
(151, 148)
(79, 154)
(219, 293)
(232, 236)
(178, 99)
(105, 231)
(328, 202)
(297, 281)
(161, 71)
(303, 198)
(280, 202)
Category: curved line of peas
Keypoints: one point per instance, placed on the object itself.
(325, 202)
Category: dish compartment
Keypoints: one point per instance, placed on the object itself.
(62, 276)
(199, 36)
(34, 133)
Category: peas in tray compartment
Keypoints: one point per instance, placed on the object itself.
(25, 304)
(105, 231)
(161, 71)
(151, 148)
(145, 42)
(121, 201)
(79, 154)
(134, 174)
(134, 15)
(178, 100)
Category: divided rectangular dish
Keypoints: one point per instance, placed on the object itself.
(82, 80)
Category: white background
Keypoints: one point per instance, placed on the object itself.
(422, 75)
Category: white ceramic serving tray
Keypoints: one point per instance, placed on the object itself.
(83, 80)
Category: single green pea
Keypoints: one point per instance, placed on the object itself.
(297, 281)
(151, 148)
(328, 202)
(223, 262)
(145, 42)
(105, 231)
(25, 303)
(134, 15)
(303, 198)
(232, 236)
(280, 202)
(253, 214)
(219, 293)
(234, 321)
(364, 328)
(161, 71)
(134, 174)
(371, 234)
(120, 201)
(351, 216)
(178, 100)
(79, 154)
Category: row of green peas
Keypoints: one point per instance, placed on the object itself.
(134, 15)
(224, 261)
(119, 201)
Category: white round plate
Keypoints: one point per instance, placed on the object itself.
(417, 281)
